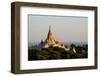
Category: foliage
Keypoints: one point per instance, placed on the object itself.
(58, 53)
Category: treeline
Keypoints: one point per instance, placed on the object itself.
(58, 53)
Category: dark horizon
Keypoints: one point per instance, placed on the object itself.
(65, 43)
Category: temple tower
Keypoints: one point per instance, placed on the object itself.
(50, 39)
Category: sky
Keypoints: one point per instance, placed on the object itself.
(64, 28)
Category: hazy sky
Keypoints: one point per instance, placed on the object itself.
(64, 28)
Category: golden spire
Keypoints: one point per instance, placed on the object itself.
(49, 33)
(50, 39)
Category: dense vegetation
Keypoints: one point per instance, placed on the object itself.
(58, 53)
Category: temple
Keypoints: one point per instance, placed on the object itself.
(51, 42)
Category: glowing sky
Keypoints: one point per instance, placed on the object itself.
(64, 28)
